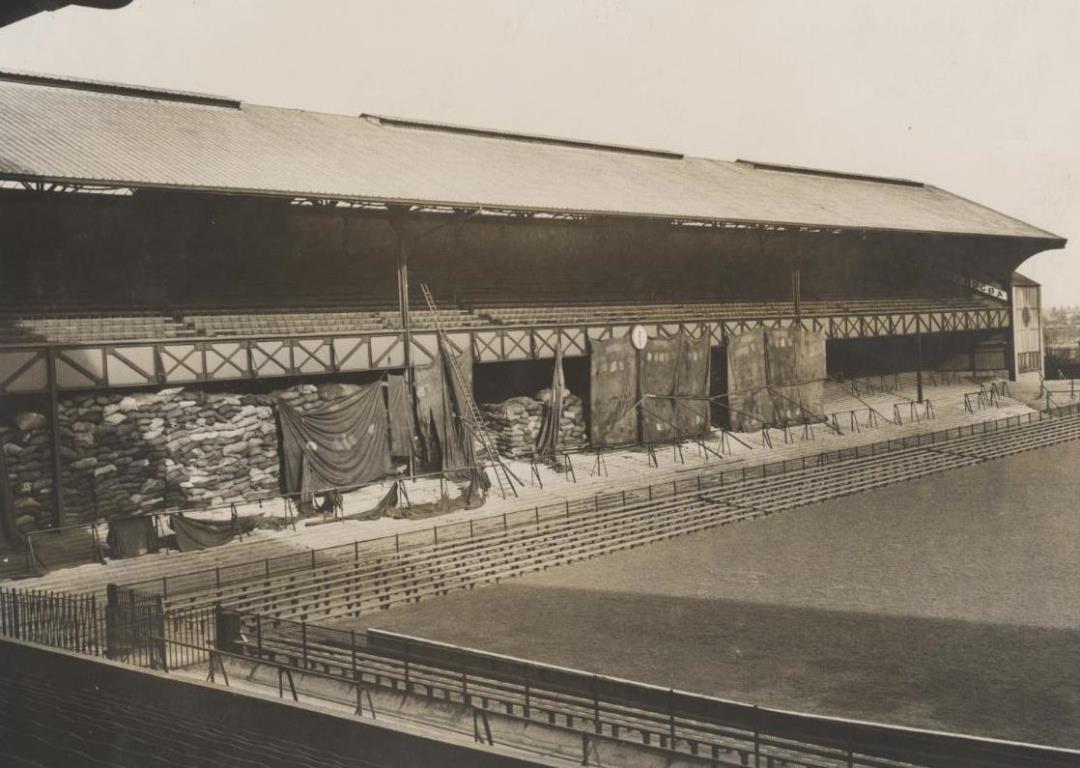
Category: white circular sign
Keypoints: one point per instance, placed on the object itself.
(638, 337)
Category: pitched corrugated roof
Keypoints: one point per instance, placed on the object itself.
(59, 130)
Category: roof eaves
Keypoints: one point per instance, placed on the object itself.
(1048, 241)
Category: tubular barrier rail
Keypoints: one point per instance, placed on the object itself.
(598, 708)
(377, 581)
(310, 560)
(93, 542)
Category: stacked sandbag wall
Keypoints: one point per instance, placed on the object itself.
(515, 424)
(128, 453)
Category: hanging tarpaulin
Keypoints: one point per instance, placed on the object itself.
(402, 428)
(335, 445)
(442, 414)
(132, 536)
(63, 548)
(675, 380)
(612, 392)
(201, 534)
(548, 440)
(748, 401)
(775, 376)
(659, 366)
(690, 386)
(810, 371)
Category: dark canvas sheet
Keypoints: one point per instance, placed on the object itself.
(775, 376)
(810, 348)
(548, 439)
(659, 365)
(201, 534)
(692, 386)
(64, 547)
(132, 536)
(402, 427)
(795, 360)
(440, 403)
(337, 445)
(676, 373)
(782, 375)
(613, 392)
(748, 399)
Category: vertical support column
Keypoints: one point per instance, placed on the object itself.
(796, 291)
(397, 222)
(918, 358)
(639, 386)
(1010, 344)
(54, 428)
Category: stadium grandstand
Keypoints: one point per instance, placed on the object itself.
(265, 372)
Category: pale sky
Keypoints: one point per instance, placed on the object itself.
(980, 97)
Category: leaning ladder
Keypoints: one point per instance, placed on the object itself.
(475, 422)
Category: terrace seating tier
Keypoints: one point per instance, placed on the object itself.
(369, 316)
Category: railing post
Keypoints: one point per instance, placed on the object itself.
(527, 694)
(757, 739)
(671, 718)
(596, 704)
(258, 634)
(352, 650)
(303, 642)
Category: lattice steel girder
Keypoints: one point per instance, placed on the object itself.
(172, 362)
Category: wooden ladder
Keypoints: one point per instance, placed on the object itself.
(474, 421)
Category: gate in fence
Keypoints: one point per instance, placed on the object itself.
(135, 627)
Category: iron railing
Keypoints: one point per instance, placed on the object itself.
(594, 707)
(222, 576)
(73, 622)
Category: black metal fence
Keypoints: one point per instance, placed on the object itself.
(68, 621)
(136, 628)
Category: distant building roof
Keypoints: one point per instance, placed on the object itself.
(104, 133)
(1024, 281)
